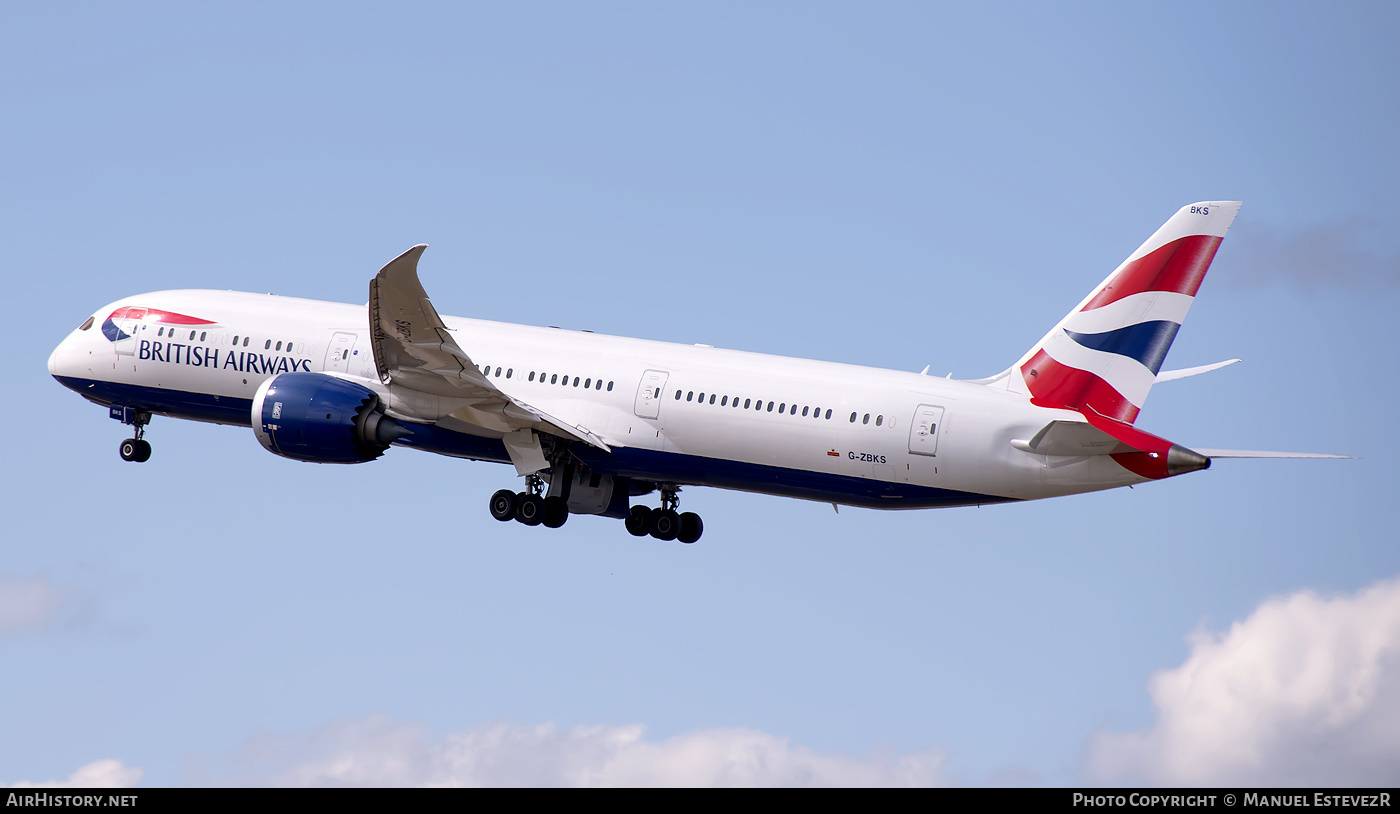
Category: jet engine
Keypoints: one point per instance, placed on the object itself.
(322, 419)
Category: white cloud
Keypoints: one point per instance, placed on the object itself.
(99, 774)
(1306, 691)
(375, 752)
(28, 603)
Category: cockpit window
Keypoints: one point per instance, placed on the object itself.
(86, 324)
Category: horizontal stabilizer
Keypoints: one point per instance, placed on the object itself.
(1259, 453)
(1069, 438)
(1137, 450)
(1173, 375)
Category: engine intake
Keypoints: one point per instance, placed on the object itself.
(322, 419)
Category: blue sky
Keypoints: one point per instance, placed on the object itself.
(899, 185)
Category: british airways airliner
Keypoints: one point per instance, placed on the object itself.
(592, 422)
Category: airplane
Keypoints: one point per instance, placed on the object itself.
(593, 421)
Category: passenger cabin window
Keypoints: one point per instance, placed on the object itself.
(853, 418)
(509, 371)
(554, 379)
(245, 341)
(610, 384)
(865, 420)
(267, 345)
(532, 375)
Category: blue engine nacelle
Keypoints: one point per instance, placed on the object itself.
(322, 419)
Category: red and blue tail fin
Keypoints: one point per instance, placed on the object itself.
(1106, 353)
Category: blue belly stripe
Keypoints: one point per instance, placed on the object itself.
(630, 462)
(174, 403)
(674, 467)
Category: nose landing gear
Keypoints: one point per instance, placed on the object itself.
(136, 448)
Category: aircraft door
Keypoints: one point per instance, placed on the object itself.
(649, 392)
(923, 430)
(128, 325)
(338, 354)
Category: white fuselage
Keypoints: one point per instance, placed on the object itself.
(675, 414)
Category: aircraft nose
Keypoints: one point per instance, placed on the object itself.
(55, 360)
(54, 363)
(64, 361)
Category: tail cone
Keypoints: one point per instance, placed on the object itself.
(1181, 460)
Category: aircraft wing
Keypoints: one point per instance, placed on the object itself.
(414, 349)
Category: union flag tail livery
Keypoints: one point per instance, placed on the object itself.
(1105, 355)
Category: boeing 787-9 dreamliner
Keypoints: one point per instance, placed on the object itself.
(593, 422)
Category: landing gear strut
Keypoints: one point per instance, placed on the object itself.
(137, 448)
(665, 523)
(530, 506)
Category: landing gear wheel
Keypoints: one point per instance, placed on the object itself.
(665, 524)
(556, 512)
(134, 449)
(691, 528)
(503, 505)
(638, 522)
(529, 509)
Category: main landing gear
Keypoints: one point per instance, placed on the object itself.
(533, 509)
(665, 523)
(137, 448)
(530, 507)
